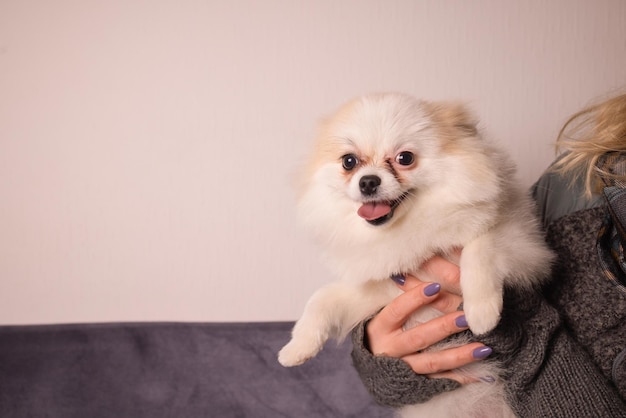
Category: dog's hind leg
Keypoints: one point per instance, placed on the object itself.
(332, 312)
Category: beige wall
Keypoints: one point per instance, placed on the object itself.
(146, 147)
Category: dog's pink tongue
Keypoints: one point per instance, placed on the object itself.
(374, 210)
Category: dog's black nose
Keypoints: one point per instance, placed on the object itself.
(369, 184)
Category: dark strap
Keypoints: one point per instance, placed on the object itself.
(612, 235)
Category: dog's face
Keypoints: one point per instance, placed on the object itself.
(378, 154)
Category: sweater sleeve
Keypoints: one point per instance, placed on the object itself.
(547, 374)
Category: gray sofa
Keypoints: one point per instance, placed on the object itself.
(172, 370)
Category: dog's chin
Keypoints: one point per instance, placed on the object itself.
(394, 205)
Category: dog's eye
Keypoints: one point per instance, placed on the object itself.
(349, 161)
(405, 158)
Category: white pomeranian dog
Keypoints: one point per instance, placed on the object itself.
(392, 182)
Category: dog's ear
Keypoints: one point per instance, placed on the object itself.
(455, 114)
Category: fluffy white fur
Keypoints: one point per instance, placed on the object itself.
(458, 192)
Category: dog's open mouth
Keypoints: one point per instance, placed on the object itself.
(379, 212)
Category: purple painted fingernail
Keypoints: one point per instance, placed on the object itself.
(461, 321)
(432, 289)
(398, 278)
(482, 352)
(488, 379)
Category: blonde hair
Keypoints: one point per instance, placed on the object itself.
(589, 135)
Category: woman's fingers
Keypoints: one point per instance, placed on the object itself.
(386, 335)
(386, 339)
(445, 302)
(422, 336)
(393, 316)
(446, 272)
(440, 363)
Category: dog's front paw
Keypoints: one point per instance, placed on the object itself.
(482, 317)
(297, 352)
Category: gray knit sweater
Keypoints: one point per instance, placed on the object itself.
(559, 365)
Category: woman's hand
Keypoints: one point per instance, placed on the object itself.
(386, 335)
